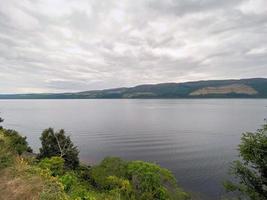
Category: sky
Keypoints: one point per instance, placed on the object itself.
(78, 45)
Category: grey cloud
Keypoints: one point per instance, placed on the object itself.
(182, 7)
(101, 44)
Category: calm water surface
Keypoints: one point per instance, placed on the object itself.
(196, 139)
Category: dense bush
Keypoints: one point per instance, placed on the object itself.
(53, 191)
(54, 164)
(110, 166)
(69, 180)
(136, 179)
(17, 142)
(121, 186)
(150, 181)
(84, 172)
(1, 120)
(6, 157)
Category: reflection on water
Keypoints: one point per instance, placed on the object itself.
(196, 139)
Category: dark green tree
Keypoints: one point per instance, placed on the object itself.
(58, 144)
(251, 170)
(1, 120)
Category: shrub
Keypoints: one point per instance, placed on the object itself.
(6, 157)
(110, 166)
(5, 160)
(54, 164)
(148, 180)
(68, 180)
(17, 142)
(136, 180)
(151, 181)
(84, 172)
(122, 186)
(53, 190)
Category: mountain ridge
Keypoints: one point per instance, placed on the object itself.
(230, 88)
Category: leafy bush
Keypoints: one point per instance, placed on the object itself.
(5, 156)
(5, 160)
(84, 172)
(69, 180)
(136, 180)
(53, 190)
(150, 181)
(54, 164)
(110, 166)
(121, 186)
(17, 142)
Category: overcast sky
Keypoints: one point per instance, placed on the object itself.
(76, 45)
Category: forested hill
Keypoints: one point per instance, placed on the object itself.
(243, 88)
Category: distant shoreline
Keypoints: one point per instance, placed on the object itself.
(200, 98)
(255, 88)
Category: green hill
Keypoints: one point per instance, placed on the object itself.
(243, 88)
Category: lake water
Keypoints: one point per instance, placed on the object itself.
(195, 139)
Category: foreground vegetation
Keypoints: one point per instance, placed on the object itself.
(250, 171)
(57, 174)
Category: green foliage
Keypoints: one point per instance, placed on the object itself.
(6, 157)
(251, 171)
(54, 164)
(69, 180)
(53, 190)
(5, 160)
(121, 186)
(136, 180)
(112, 179)
(84, 172)
(1, 120)
(110, 166)
(17, 142)
(151, 181)
(57, 144)
(74, 187)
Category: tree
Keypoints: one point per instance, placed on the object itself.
(251, 171)
(58, 144)
(1, 120)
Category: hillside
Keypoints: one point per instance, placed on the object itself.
(243, 88)
(23, 176)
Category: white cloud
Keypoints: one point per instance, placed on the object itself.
(257, 51)
(254, 7)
